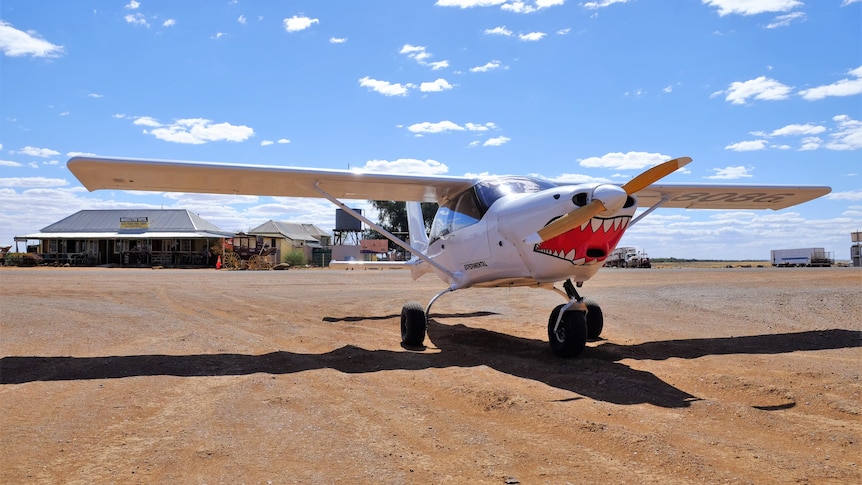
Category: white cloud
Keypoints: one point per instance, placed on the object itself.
(730, 173)
(137, 19)
(602, 4)
(32, 182)
(532, 36)
(385, 87)
(810, 143)
(427, 127)
(38, 152)
(405, 165)
(477, 127)
(169, 23)
(489, 66)
(242, 20)
(439, 127)
(9, 163)
(752, 7)
(575, 178)
(495, 142)
(194, 131)
(624, 161)
(785, 20)
(297, 23)
(549, 3)
(412, 50)
(420, 55)
(518, 7)
(144, 121)
(761, 88)
(846, 195)
(435, 86)
(844, 87)
(337, 40)
(498, 31)
(848, 136)
(133, 5)
(283, 141)
(799, 130)
(747, 146)
(16, 43)
(469, 3)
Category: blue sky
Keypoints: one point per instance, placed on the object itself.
(756, 92)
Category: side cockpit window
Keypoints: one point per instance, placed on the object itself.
(468, 208)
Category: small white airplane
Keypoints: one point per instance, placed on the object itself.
(500, 231)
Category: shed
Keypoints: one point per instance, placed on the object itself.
(291, 236)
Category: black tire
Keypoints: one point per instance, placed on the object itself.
(413, 324)
(571, 337)
(595, 319)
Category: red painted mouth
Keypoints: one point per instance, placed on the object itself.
(592, 241)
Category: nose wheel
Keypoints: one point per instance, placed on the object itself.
(567, 333)
(572, 324)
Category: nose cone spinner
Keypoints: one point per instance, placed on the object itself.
(612, 197)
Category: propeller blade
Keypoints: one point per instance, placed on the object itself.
(571, 220)
(655, 174)
(583, 214)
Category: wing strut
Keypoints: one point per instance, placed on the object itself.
(655, 206)
(388, 235)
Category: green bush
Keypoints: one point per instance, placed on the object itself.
(294, 258)
(23, 259)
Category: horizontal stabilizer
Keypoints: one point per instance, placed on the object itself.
(369, 265)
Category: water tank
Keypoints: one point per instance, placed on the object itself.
(346, 222)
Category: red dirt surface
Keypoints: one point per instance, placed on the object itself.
(203, 376)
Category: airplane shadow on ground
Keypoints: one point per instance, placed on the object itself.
(597, 373)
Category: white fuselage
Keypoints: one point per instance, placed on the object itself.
(491, 251)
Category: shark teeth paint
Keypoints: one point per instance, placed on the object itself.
(600, 234)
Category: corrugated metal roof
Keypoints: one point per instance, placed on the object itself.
(126, 235)
(108, 221)
(290, 230)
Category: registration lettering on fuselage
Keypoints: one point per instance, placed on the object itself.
(476, 265)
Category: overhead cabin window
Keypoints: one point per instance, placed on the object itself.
(489, 191)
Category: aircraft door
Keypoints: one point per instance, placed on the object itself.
(459, 237)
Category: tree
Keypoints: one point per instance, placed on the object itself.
(392, 216)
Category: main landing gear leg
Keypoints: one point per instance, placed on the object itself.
(414, 321)
(571, 324)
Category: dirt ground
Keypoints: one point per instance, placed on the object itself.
(743, 375)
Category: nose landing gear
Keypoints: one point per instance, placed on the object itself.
(572, 324)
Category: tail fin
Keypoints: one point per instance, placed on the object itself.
(418, 239)
(416, 227)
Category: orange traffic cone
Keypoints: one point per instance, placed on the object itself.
(218, 262)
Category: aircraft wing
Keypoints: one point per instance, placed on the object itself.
(213, 178)
(729, 196)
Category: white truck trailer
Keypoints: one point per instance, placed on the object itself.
(800, 257)
(620, 256)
